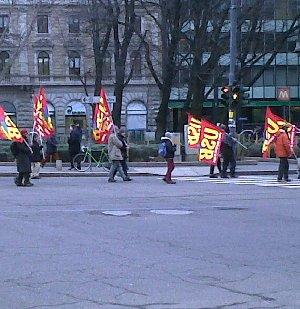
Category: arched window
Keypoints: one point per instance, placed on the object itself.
(51, 111)
(136, 62)
(10, 110)
(74, 63)
(107, 65)
(43, 64)
(136, 122)
(76, 114)
(4, 58)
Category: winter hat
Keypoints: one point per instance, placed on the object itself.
(168, 135)
(24, 132)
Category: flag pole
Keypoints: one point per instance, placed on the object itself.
(33, 128)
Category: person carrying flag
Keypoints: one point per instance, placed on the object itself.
(115, 156)
(22, 152)
(283, 152)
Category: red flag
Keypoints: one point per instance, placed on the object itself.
(210, 142)
(194, 130)
(42, 120)
(272, 123)
(8, 130)
(102, 120)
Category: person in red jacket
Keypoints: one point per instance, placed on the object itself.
(283, 152)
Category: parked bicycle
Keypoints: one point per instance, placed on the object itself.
(84, 160)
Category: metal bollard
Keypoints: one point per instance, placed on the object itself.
(59, 165)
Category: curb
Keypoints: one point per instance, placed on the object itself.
(150, 164)
(53, 175)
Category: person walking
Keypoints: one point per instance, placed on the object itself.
(212, 169)
(51, 150)
(219, 164)
(36, 158)
(169, 157)
(283, 152)
(122, 137)
(115, 156)
(229, 154)
(22, 153)
(74, 142)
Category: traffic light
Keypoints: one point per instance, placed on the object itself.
(236, 95)
(244, 94)
(240, 95)
(226, 93)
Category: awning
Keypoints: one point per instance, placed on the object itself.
(257, 104)
(271, 103)
(181, 104)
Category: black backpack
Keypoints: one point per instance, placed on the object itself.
(14, 149)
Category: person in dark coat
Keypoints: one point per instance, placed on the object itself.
(51, 150)
(219, 164)
(228, 150)
(74, 141)
(22, 152)
(170, 153)
(36, 158)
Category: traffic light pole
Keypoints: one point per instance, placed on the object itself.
(233, 55)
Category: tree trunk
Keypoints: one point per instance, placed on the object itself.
(198, 97)
(162, 116)
(118, 105)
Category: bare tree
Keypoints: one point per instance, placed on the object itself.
(208, 40)
(123, 19)
(167, 17)
(15, 42)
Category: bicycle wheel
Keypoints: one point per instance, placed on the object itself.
(82, 162)
(104, 161)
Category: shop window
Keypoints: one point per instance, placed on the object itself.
(76, 114)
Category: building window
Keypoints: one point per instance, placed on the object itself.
(107, 66)
(76, 114)
(74, 24)
(74, 63)
(43, 64)
(4, 23)
(42, 24)
(4, 58)
(281, 75)
(136, 63)
(138, 24)
(292, 76)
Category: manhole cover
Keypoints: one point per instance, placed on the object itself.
(171, 212)
(231, 208)
(117, 213)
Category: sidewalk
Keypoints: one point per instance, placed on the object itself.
(190, 169)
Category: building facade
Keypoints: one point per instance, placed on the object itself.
(279, 85)
(47, 46)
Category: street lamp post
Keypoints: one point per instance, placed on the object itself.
(233, 56)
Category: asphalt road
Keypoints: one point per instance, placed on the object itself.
(236, 246)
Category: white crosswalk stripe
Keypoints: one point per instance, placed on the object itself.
(262, 181)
